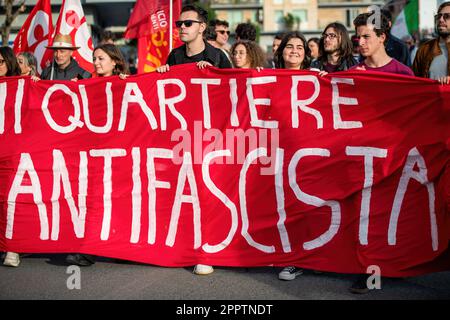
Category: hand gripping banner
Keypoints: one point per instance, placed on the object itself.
(230, 168)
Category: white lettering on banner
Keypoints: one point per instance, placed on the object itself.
(222, 197)
(136, 196)
(133, 94)
(170, 102)
(313, 200)
(153, 153)
(337, 100)
(279, 190)
(252, 102)
(107, 154)
(61, 175)
(26, 166)
(186, 174)
(304, 104)
(74, 120)
(205, 98)
(3, 94)
(368, 153)
(109, 110)
(414, 158)
(252, 156)
(18, 107)
(234, 100)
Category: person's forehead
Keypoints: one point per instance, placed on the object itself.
(330, 30)
(221, 27)
(446, 9)
(295, 41)
(189, 15)
(240, 47)
(367, 29)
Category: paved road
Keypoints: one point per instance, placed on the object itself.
(45, 277)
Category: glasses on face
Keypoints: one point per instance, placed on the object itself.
(329, 35)
(222, 32)
(2, 62)
(187, 23)
(438, 17)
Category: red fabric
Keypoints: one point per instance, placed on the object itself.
(149, 22)
(149, 17)
(72, 21)
(405, 118)
(36, 33)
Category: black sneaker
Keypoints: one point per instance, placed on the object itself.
(360, 285)
(290, 273)
(82, 260)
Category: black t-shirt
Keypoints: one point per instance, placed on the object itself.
(213, 55)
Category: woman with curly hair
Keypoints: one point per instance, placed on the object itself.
(247, 54)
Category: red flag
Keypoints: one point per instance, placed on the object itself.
(72, 21)
(150, 22)
(36, 33)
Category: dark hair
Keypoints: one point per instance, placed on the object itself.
(217, 22)
(363, 20)
(108, 35)
(116, 55)
(279, 36)
(210, 33)
(279, 53)
(387, 13)
(345, 45)
(254, 52)
(246, 31)
(30, 61)
(201, 13)
(443, 5)
(10, 61)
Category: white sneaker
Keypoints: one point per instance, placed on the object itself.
(289, 273)
(203, 269)
(11, 259)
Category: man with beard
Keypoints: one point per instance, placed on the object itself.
(336, 50)
(432, 58)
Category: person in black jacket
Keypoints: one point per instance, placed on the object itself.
(64, 67)
(396, 48)
(336, 50)
(192, 25)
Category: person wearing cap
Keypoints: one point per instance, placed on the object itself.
(64, 67)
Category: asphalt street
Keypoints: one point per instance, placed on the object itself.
(48, 277)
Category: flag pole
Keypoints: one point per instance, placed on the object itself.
(170, 25)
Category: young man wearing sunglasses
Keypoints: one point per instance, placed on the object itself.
(191, 26)
(433, 57)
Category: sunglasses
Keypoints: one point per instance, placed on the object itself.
(2, 62)
(438, 17)
(223, 32)
(187, 23)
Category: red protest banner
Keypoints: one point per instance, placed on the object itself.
(216, 167)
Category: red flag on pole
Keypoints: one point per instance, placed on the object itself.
(72, 21)
(36, 34)
(150, 23)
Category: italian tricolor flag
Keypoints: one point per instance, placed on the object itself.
(407, 22)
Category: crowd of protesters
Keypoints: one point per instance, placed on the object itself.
(206, 44)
